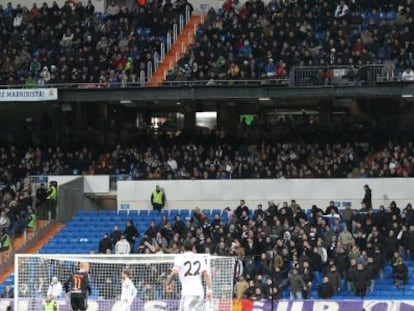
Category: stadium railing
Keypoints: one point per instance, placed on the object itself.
(304, 76)
(335, 75)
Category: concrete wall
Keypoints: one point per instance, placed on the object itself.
(135, 195)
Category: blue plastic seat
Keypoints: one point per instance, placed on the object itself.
(216, 211)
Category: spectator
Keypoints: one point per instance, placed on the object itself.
(198, 216)
(361, 281)
(52, 197)
(131, 234)
(158, 198)
(407, 75)
(399, 270)
(4, 222)
(408, 239)
(373, 272)
(334, 279)
(152, 230)
(8, 292)
(240, 209)
(41, 195)
(241, 287)
(122, 246)
(55, 289)
(367, 200)
(325, 290)
(105, 244)
(113, 10)
(5, 242)
(258, 294)
(342, 9)
(297, 284)
(115, 235)
(18, 20)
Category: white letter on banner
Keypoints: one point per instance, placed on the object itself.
(371, 305)
(297, 306)
(258, 306)
(282, 306)
(325, 306)
(155, 306)
(4, 304)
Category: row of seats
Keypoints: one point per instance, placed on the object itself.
(75, 239)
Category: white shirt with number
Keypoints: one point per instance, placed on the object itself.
(190, 267)
(128, 292)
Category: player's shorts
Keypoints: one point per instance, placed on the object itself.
(192, 303)
(78, 301)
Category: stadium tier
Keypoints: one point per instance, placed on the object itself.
(265, 40)
(62, 44)
(82, 235)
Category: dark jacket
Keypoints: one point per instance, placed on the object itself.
(131, 233)
(104, 244)
(325, 291)
(361, 279)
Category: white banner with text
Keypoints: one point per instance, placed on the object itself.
(28, 95)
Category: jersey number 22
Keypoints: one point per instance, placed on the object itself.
(192, 268)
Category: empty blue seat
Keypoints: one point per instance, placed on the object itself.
(216, 211)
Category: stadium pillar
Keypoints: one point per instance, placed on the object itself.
(80, 115)
(228, 117)
(189, 116)
(325, 113)
(104, 115)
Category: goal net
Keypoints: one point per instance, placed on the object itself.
(36, 276)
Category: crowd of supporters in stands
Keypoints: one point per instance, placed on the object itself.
(252, 40)
(283, 246)
(255, 40)
(212, 155)
(73, 44)
(394, 160)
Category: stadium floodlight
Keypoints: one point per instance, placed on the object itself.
(35, 272)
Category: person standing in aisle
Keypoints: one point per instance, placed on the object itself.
(158, 199)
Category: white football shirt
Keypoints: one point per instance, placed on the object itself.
(129, 291)
(190, 267)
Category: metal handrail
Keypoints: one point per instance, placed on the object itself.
(181, 23)
(142, 79)
(175, 33)
(158, 58)
(162, 51)
(149, 70)
(145, 75)
(187, 14)
(169, 42)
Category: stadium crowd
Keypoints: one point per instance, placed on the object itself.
(252, 40)
(282, 246)
(73, 44)
(394, 160)
(255, 40)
